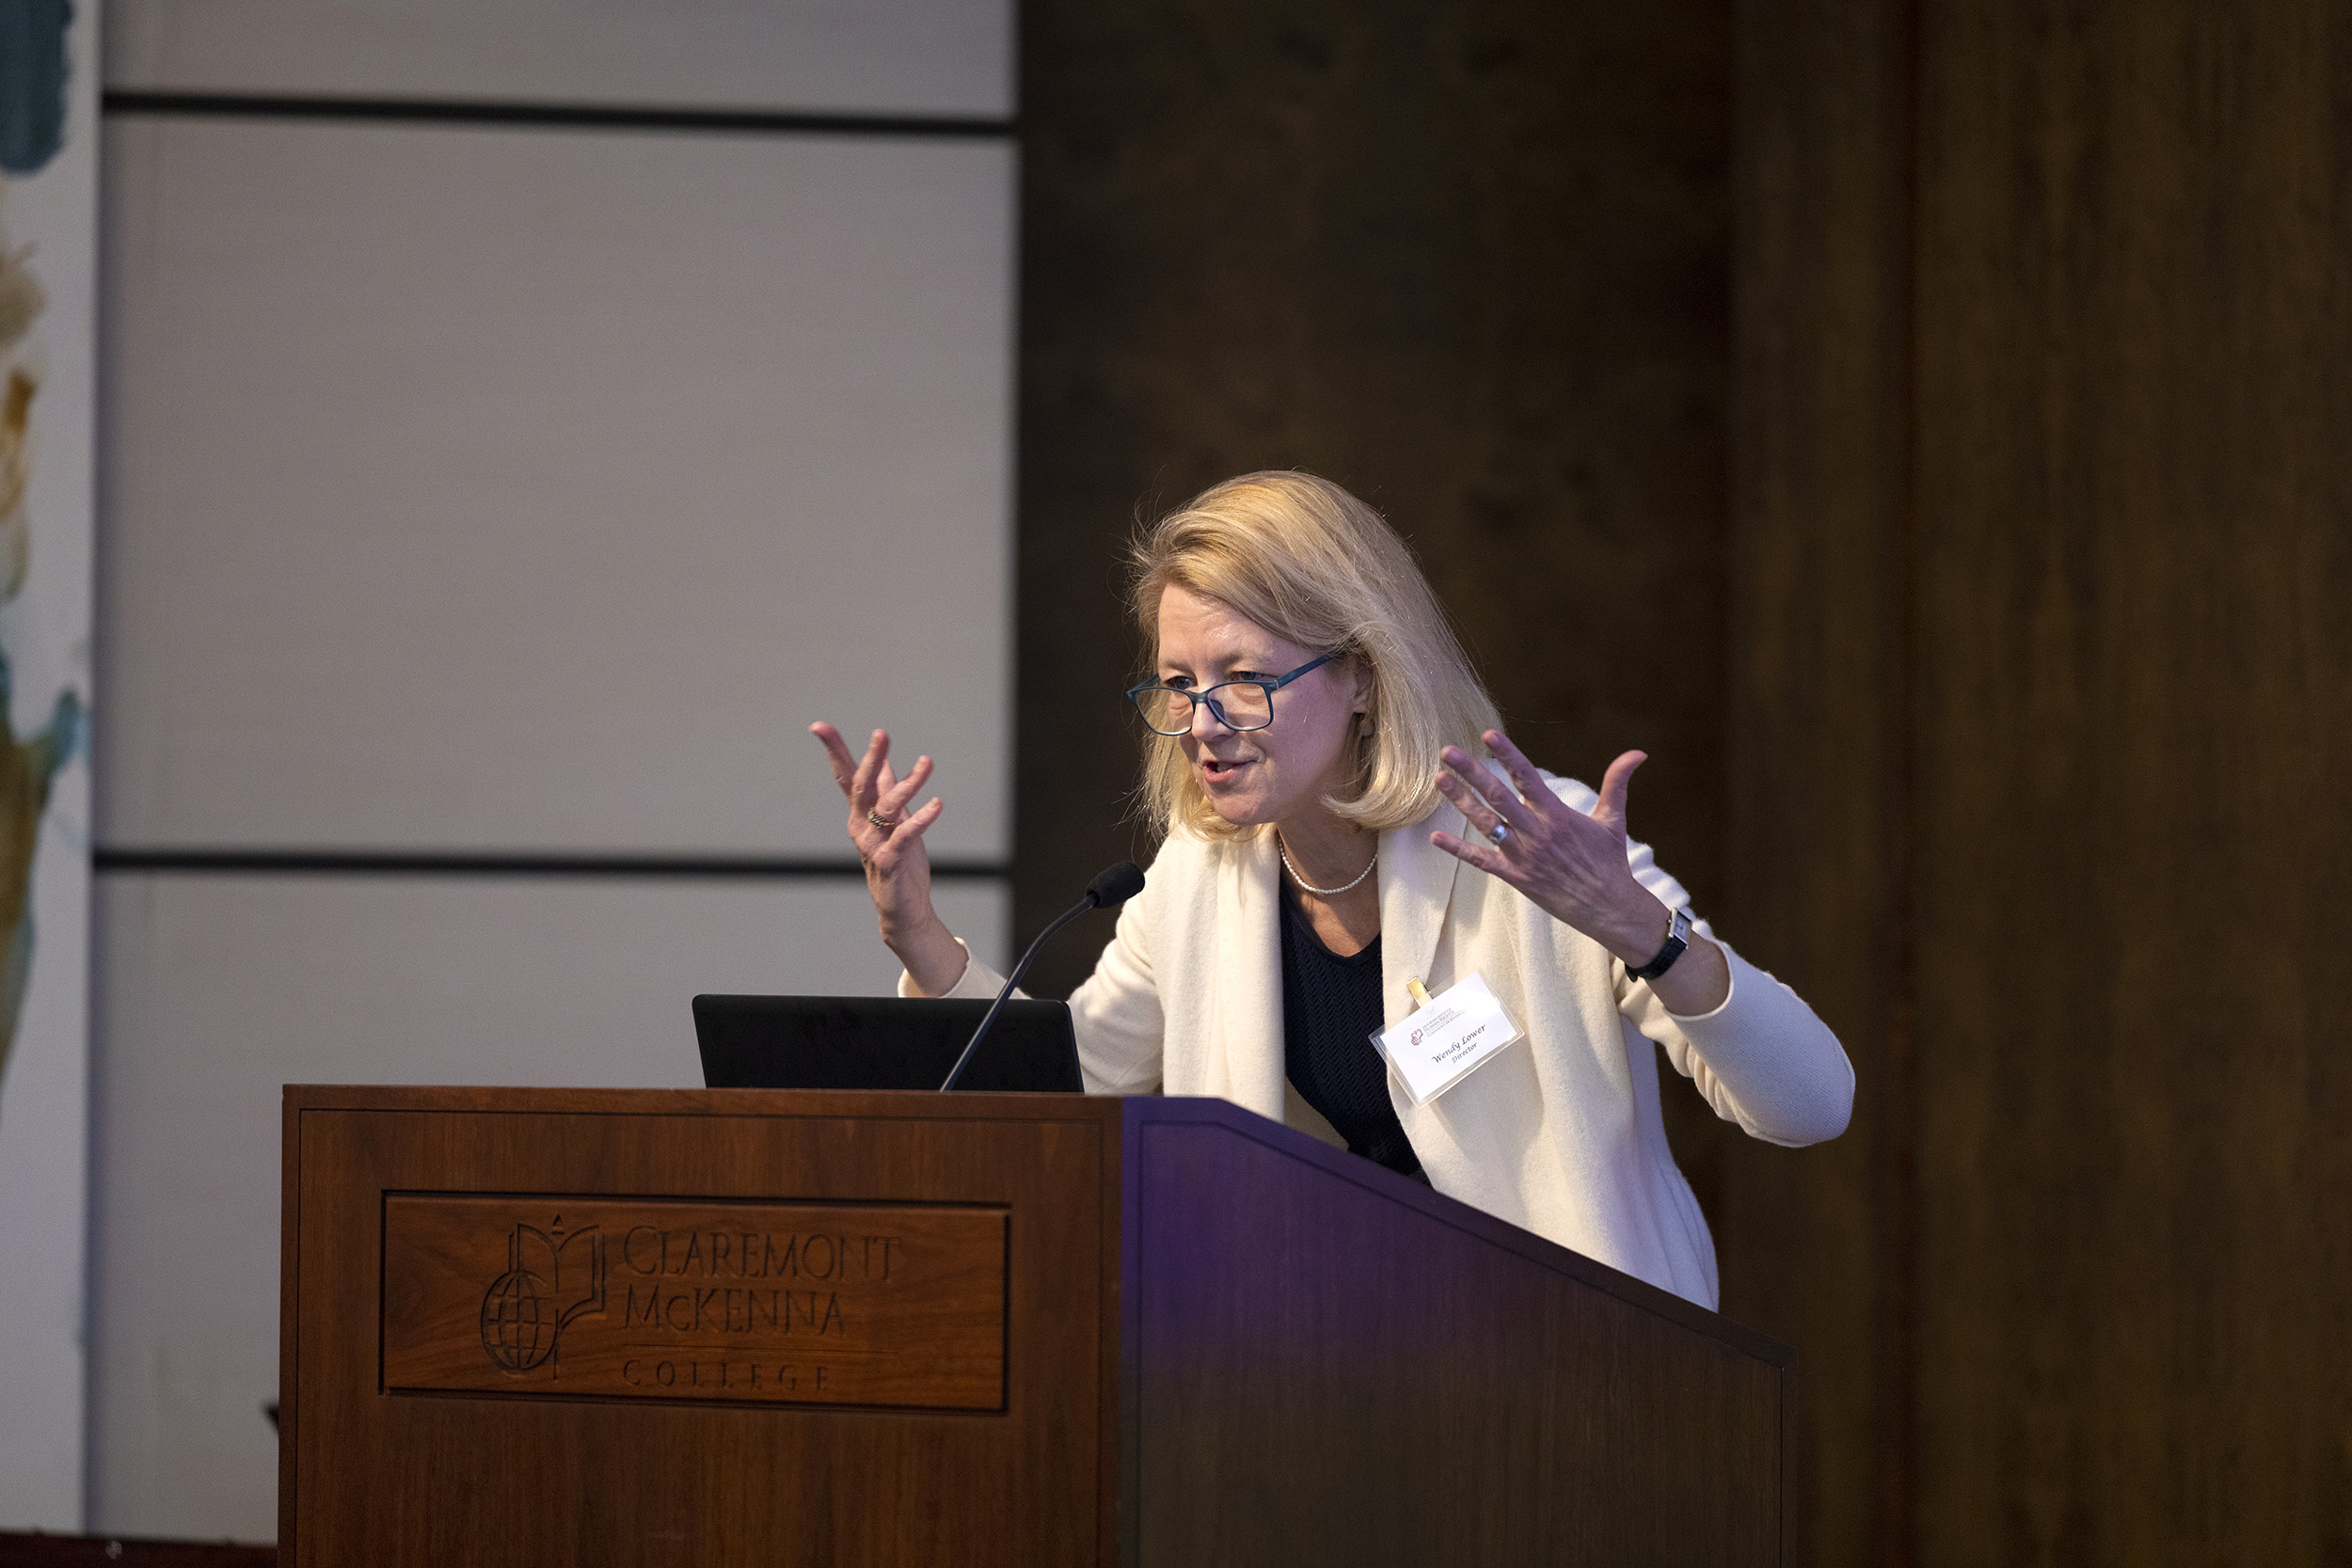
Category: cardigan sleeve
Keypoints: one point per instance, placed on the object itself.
(1762, 1058)
(1116, 1013)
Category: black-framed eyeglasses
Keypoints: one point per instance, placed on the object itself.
(1245, 705)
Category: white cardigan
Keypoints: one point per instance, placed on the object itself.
(1560, 1133)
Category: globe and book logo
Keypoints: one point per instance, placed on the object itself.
(552, 1277)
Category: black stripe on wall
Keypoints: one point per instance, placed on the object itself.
(470, 112)
(456, 863)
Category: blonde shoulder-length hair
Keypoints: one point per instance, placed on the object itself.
(1317, 567)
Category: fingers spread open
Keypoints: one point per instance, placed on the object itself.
(1489, 788)
(1523, 773)
(909, 830)
(1613, 785)
(1483, 856)
(837, 754)
(894, 796)
(862, 786)
(1473, 806)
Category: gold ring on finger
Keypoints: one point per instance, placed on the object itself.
(884, 823)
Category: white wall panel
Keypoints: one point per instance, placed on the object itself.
(936, 57)
(526, 489)
(215, 991)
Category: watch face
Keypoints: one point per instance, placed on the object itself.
(1678, 940)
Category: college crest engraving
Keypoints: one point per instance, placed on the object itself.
(691, 1299)
(526, 1307)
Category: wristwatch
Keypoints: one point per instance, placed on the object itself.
(1677, 938)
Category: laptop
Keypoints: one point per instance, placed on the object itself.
(877, 1043)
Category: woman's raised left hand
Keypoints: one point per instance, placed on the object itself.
(1571, 865)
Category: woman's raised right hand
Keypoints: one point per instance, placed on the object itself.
(897, 867)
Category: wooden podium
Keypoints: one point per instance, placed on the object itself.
(528, 1327)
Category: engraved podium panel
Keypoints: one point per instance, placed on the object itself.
(405, 1441)
(534, 1328)
(578, 1296)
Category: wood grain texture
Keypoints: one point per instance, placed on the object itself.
(1332, 1364)
(2093, 1253)
(1813, 1243)
(575, 1295)
(636, 1481)
(2134, 351)
(1297, 1356)
(1467, 259)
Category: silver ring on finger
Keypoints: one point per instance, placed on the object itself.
(1500, 833)
(884, 823)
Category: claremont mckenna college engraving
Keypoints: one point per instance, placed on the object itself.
(826, 1303)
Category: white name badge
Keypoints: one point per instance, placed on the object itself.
(1460, 1030)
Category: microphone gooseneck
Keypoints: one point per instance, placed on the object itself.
(1112, 885)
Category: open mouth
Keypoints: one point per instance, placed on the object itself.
(1218, 772)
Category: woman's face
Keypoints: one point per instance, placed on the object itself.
(1287, 768)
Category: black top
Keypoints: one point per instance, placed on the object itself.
(1330, 1007)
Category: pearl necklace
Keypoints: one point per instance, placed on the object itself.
(1322, 892)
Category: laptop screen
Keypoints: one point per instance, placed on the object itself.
(875, 1042)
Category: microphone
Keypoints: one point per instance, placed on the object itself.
(1112, 885)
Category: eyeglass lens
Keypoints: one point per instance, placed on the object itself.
(1242, 706)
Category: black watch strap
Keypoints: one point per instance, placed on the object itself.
(1677, 938)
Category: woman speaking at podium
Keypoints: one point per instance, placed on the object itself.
(1353, 846)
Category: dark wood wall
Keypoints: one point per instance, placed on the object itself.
(2042, 554)
(1917, 423)
(1813, 1243)
(1468, 260)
